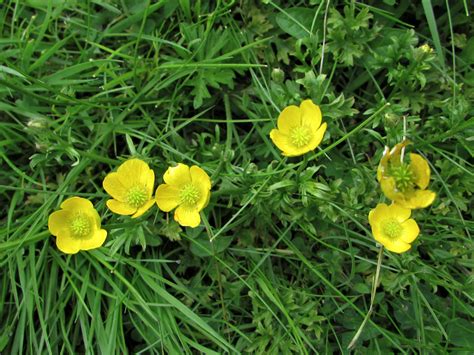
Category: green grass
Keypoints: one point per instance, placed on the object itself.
(84, 85)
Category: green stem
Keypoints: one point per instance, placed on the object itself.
(219, 278)
(372, 299)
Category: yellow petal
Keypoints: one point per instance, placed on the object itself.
(410, 231)
(67, 244)
(419, 199)
(421, 170)
(200, 178)
(378, 214)
(382, 169)
(310, 115)
(77, 204)
(177, 176)
(187, 217)
(58, 222)
(317, 137)
(144, 208)
(283, 143)
(167, 197)
(114, 187)
(120, 207)
(150, 182)
(290, 117)
(389, 189)
(132, 172)
(95, 241)
(396, 246)
(397, 212)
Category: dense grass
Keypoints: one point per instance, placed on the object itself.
(86, 84)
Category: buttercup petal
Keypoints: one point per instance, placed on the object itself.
(96, 240)
(317, 137)
(167, 197)
(77, 203)
(144, 208)
(199, 177)
(382, 169)
(420, 169)
(150, 182)
(67, 244)
(177, 176)
(378, 214)
(290, 117)
(397, 212)
(58, 222)
(310, 115)
(410, 231)
(120, 207)
(132, 172)
(389, 189)
(394, 245)
(420, 199)
(187, 217)
(114, 186)
(281, 140)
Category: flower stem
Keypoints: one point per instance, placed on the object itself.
(219, 277)
(372, 299)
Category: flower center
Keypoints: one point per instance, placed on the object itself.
(403, 177)
(189, 194)
(137, 196)
(300, 136)
(392, 228)
(80, 226)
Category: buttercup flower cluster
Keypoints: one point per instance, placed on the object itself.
(405, 183)
(187, 190)
(77, 225)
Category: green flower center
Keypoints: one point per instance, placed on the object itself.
(189, 194)
(404, 178)
(392, 228)
(80, 226)
(137, 196)
(300, 136)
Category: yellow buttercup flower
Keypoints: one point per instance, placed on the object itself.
(131, 188)
(188, 189)
(392, 227)
(76, 226)
(299, 129)
(402, 182)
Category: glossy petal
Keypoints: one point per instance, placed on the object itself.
(67, 244)
(410, 231)
(378, 214)
(310, 115)
(199, 177)
(76, 203)
(290, 117)
(419, 199)
(144, 208)
(389, 189)
(113, 185)
(382, 169)
(132, 172)
(167, 197)
(96, 241)
(396, 246)
(421, 170)
(150, 182)
(187, 217)
(281, 141)
(401, 214)
(317, 137)
(120, 207)
(58, 222)
(178, 175)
